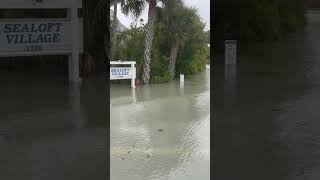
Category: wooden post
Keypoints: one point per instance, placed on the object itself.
(231, 61)
(74, 58)
(231, 52)
(181, 78)
(133, 70)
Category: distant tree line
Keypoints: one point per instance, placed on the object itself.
(176, 43)
(313, 4)
(256, 20)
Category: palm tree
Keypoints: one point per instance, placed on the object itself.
(114, 27)
(136, 7)
(114, 3)
(148, 41)
(179, 25)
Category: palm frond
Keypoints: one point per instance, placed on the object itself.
(133, 6)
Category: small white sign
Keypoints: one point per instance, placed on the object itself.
(123, 72)
(120, 73)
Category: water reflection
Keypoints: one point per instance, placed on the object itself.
(181, 89)
(134, 99)
(269, 119)
(164, 134)
(50, 129)
(79, 119)
(231, 74)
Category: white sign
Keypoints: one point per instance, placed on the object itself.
(123, 72)
(30, 37)
(120, 73)
(35, 36)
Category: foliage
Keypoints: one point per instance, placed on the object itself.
(96, 29)
(161, 79)
(130, 46)
(193, 58)
(133, 6)
(192, 55)
(256, 20)
(208, 36)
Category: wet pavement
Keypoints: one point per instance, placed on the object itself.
(50, 129)
(161, 131)
(266, 118)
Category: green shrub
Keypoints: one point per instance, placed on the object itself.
(192, 54)
(256, 20)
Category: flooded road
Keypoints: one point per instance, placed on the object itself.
(266, 119)
(161, 131)
(50, 129)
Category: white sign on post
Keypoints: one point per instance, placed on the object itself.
(35, 36)
(117, 73)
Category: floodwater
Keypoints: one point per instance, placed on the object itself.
(266, 119)
(161, 131)
(51, 130)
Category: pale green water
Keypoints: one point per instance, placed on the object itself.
(139, 151)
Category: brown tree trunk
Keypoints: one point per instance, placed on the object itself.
(173, 58)
(114, 29)
(148, 41)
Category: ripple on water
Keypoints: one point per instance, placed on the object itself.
(180, 151)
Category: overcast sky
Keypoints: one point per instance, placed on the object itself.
(203, 7)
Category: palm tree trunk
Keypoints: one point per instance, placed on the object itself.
(173, 58)
(148, 41)
(114, 30)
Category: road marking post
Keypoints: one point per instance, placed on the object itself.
(181, 78)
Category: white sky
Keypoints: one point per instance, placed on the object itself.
(203, 7)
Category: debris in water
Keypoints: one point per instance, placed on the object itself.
(267, 73)
(122, 158)
(148, 155)
(276, 109)
(160, 130)
(129, 152)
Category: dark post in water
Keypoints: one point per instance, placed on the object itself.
(230, 51)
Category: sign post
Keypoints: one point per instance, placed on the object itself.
(231, 61)
(117, 73)
(181, 79)
(231, 52)
(74, 59)
(133, 77)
